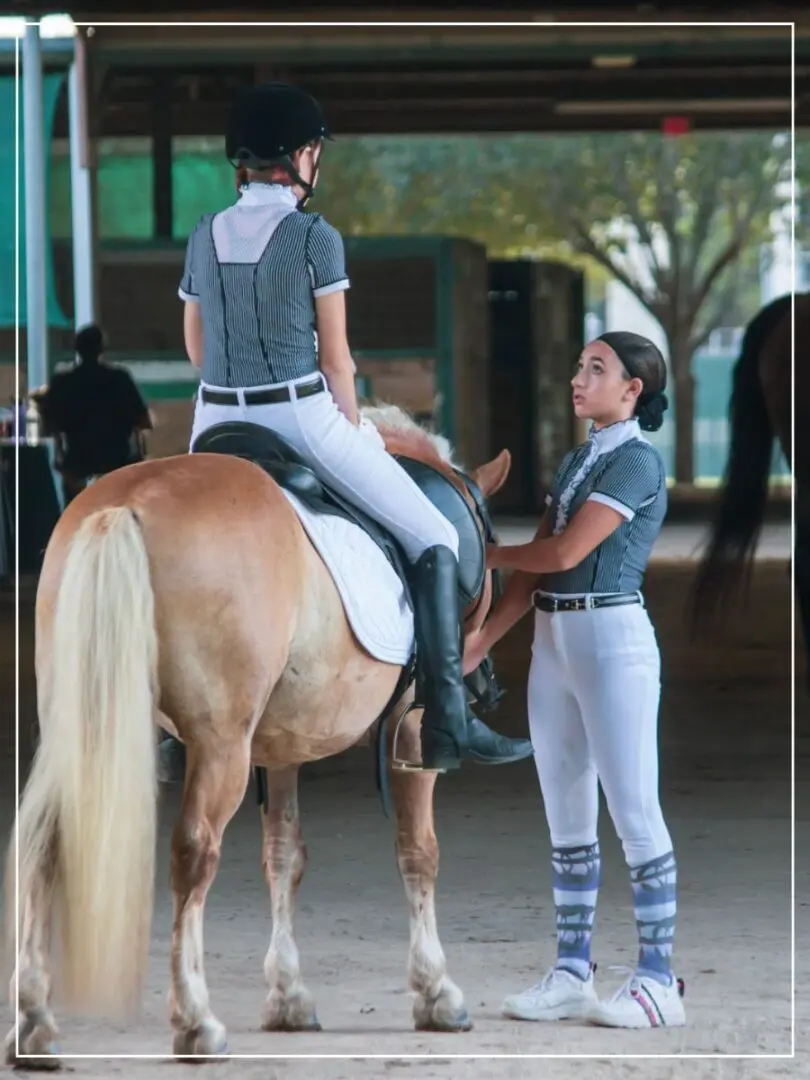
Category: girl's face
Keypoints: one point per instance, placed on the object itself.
(601, 390)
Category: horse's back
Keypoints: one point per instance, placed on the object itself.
(250, 623)
(227, 568)
(196, 501)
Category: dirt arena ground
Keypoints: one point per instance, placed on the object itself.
(725, 734)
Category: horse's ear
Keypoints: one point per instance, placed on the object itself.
(492, 476)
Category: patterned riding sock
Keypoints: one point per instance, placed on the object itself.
(576, 876)
(655, 900)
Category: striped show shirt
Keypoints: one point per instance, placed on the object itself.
(255, 269)
(631, 479)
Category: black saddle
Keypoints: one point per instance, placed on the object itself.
(285, 465)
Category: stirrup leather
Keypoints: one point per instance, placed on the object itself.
(400, 764)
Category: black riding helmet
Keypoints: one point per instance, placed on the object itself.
(268, 123)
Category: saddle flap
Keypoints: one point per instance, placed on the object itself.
(449, 501)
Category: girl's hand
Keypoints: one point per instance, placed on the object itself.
(475, 649)
(493, 557)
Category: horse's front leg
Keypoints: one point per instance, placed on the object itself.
(289, 1005)
(439, 1003)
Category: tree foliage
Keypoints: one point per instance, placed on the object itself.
(672, 218)
(679, 221)
(704, 198)
(802, 178)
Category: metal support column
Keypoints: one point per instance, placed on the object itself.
(35, 210)
(84, 305)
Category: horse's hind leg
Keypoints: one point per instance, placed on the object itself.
(289, 1005)
(35, 1031)
(439, 1003)
(216, 779)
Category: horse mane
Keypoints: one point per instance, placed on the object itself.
(403, 435)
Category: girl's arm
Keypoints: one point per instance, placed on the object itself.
(193, 332)
(590, 526)
(334, 355)
(509, 610)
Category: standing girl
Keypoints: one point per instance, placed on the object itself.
(594, 684)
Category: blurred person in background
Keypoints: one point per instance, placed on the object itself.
(95, 413)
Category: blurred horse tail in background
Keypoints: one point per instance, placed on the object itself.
(760, 412)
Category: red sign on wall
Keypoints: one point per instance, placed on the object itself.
(676, 125)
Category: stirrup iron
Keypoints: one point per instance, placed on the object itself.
(400, 764)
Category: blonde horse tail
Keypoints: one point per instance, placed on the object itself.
(90, 806)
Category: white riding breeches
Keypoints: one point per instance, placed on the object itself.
(593, 696)
(352, 460)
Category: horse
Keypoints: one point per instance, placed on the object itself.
(183, 592)
(765, 403)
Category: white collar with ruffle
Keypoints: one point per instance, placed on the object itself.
(600, 442)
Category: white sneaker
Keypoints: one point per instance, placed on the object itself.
(641, 1002)
(560, 996)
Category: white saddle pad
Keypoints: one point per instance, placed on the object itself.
(372, 593)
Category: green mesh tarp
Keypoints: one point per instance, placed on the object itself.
(50, 91)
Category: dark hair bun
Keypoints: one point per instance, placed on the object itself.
(650, 411)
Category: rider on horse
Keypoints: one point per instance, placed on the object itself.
(259, 278)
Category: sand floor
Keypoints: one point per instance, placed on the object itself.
(725, 736)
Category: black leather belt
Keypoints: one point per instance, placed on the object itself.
(262, 397)
(583, 603)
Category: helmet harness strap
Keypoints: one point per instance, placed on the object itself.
(285, 163)
(295, 176)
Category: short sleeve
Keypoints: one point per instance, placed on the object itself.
(326, 259)
(633, 479)
(188, 286)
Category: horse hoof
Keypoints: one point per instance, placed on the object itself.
(451, 1025)
(296, 1013)
(33, 1042)
(210, 1039)
(284, 1026)
(441, 1014)
(46, 1061)
(284, 1023)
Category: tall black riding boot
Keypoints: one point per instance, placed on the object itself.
(450, 731)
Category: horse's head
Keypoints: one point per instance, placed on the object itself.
(406, 439)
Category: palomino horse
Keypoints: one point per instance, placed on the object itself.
(760, 411)
(188, 585)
